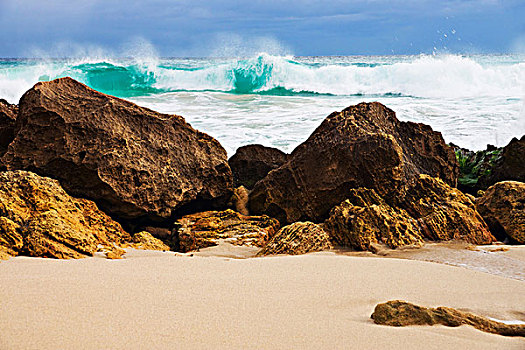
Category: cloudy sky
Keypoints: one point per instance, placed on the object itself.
(301, 27)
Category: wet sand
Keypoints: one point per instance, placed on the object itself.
(168, 300)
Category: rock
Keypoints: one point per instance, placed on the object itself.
(400, 313)
(253, 162)
(503, 209)
(209, 228)
(144, 240)
(136, 164)
(365, 220)
(8, 113)
(38, 218)
(239, 200)
(297, 238)
(509, 166)
(362, 146)
(444, 213)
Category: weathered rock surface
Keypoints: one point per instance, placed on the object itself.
(144, 240)
(400, 313)
(135, 163)
(38, 218)
(253, 162)
(444, 213)
(362, 146)
(366, 220)
(503, 208)
(509, 166)
(297, 238)
(8, 113)
(239, 200)
(209, 228)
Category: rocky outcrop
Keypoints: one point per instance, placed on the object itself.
(8, 113)
(365, 221)
(209, 228)
(135, 163)
(362, 146)
(297, 238)
(144, 240)
(444, 213)
(253, 162)
(509, 166)
(400, 313)
(503, 208)
(38, 218)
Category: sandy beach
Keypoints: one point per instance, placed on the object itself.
(167, 300)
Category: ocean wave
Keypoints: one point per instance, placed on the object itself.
(448, 76)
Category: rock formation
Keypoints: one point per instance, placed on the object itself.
(362, 146)
(209, 228)
(366, 220)
(8, 113)
(509, 166)
(503, 208)
(135, 163)
(38, 218)
(400, 313)
(253, 162)
(297, 238)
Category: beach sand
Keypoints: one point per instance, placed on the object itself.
(161, 300)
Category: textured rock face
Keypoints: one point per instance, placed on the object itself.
(297, 238)
(136, 164)
(362, 146)
(365, 220)
(209, 228)
(503, 208)
(444, 213)
(510, 166)
(38, 218)
(144, 240)
(400, 313)
(253, 162)
(8, 113)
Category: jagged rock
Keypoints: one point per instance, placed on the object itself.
(503, 209)
(239, 200)
(144, 240)
(365, 220)
(362, 146)
(509, 166)
(38, 218)
(135, 163)
(207, 229)
(253, 162)
(297, 238)
(444, 213)
(400, 313)
(8, 113)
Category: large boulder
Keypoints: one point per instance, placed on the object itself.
(38, 218)
(399, 313)
(362, 146)
(444, 213)
(297, 238)
(253, 162)
(503, 208)
(365, 221)
(135, 163)
(8, 113)
(207, 229)
(509, 166)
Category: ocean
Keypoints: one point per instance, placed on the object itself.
(473, 100)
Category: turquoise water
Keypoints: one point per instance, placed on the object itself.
(279, 100)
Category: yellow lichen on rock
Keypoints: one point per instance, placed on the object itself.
(297, 238)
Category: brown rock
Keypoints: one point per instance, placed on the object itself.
(503, 209)
(207, 229)
(444, 213)
(239, 200)
(136, 164)
(38, 218)
(253, 162)
(8, 113)
(509, 166)
(297, 238)
(366, 220)
(400, 313)
(144, 240)
(362, 146)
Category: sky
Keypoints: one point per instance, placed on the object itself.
(199, 28)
